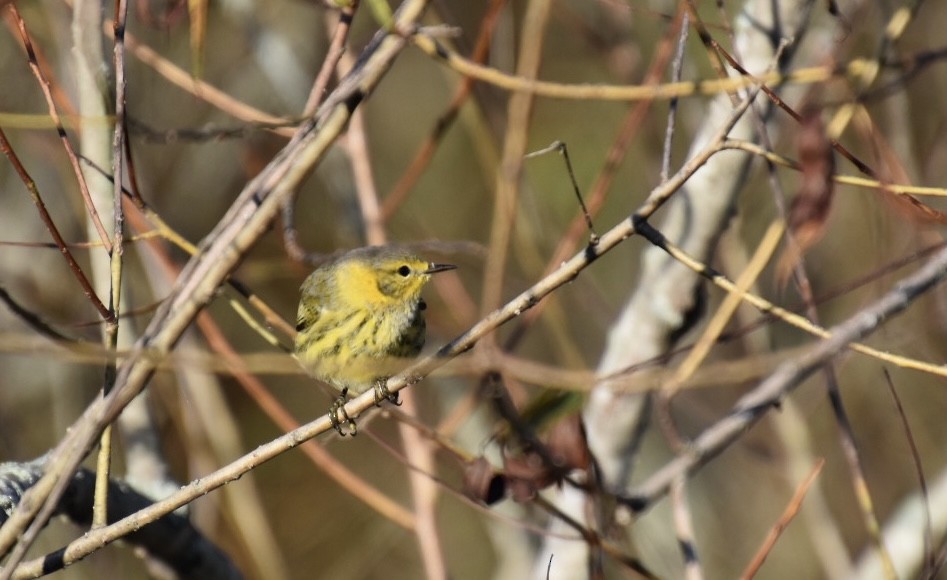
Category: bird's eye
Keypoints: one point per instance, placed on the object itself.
(404, 270)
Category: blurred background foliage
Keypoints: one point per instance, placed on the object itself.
(266, 55)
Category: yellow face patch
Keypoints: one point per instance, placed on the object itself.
(360, 283)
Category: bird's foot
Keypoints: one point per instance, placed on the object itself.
(383, 394)
(338, 415)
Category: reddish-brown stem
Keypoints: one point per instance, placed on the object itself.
(60, 129)
(51, 227)
(399, 193)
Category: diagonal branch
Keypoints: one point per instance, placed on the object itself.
(789, 375)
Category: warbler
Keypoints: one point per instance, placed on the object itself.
(359, 319)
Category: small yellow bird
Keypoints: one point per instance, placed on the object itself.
(360, 319)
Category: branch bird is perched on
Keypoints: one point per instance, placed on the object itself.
(359, 319)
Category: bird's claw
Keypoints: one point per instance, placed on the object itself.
(383, 394)
(337, 410)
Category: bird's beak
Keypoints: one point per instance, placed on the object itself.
(435, 268)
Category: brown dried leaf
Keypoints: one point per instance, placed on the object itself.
(567, 443)
(482, 483)
(526, 475)
(810, 208)
(161, 14)
(893, 170)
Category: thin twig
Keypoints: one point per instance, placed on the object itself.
(792, 508)
(676, 69)
(929, 557)
(518, 84)
(103, 465)
(32, 319)
(334, 54)
(561, 148)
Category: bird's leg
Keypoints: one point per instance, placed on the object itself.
(337, 409)
(383, 394)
